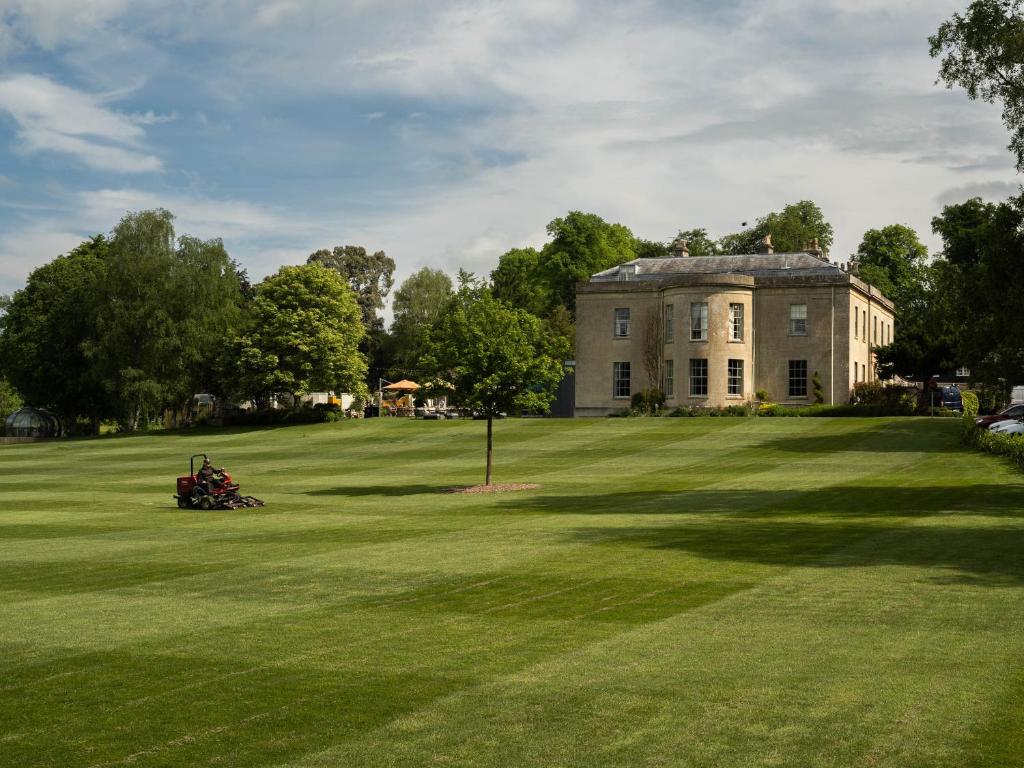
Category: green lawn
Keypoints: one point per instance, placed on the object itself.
(693, 592)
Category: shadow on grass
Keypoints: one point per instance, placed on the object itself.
(982, 556)
(832, 502)
(379, 490)
(911, 436)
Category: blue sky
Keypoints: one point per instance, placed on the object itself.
(447, 132)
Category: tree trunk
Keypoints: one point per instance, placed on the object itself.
(490, 430)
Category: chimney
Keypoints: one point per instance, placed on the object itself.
(814, 249)
(766, 244)
(679, 248)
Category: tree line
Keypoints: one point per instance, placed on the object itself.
(127, 325)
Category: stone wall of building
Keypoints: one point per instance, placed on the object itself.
(829, 344)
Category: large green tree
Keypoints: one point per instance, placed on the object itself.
(304, 331)
(497, 357)
(418, 303)
(370, 275)
(984, 285)
(791, 229)
(167, 307)
(521, 281)
(581, 245)
(46, 328)
(10, 400)
(982, 50)
(699, 242)
(894, 260)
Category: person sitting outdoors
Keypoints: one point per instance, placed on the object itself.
(207, 477)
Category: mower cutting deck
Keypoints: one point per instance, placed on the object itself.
(217, 494)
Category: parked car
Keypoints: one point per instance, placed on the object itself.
(947, 396)
(1015, 411)
(1015, 427)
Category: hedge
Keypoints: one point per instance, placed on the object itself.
(1010, 446)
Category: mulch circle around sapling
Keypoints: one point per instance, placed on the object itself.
(493, 488)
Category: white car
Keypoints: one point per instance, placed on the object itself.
(1008, 427)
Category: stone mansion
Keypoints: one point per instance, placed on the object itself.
(713, 330)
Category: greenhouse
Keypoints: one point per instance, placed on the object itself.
(33, 422)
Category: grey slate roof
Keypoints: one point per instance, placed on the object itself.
(756, 265)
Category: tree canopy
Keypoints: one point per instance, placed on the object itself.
(581, 245)
(894, 260)
(370, 275)
(791, 229)
(45, 329)
(699, 242)
(167, 308)
(497, 357)
(419, 302)
(304, 332)
(982, 51)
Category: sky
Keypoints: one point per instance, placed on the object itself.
(446, 133)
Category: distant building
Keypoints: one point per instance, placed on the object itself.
(721, 328)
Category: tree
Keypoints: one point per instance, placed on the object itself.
(304, 332)
(893, 260)
(982, 51)
(791, 229)
(369, 275)
(418, 303)
(581, 245)
(983, 285)
(10, 401)
(649, 249)
(653, 347)
(44, 332)
(166, 308)
(496, 356)
(520, 281)
(699, 243)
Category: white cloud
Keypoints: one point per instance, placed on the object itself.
(659, 115)
(53, 117)
(24, 249)
(201, 216)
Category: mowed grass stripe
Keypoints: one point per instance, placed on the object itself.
(292, 640)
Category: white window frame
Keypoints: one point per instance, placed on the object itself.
(670, 329)
(669, 385)
(698, 321)
(621, 327)
(736, 322)
(797, 323)
(621, 373)
(734, 377)
(856, 322)
(963, 371)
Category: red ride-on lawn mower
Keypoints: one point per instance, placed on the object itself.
(219, 493)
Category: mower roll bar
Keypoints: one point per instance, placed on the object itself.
(191, 463)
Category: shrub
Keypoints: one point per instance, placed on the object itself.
(850, 409)
(819, 394)
(971, 404)
(647, 402)
(321, 414)
(1010, 446)
(731, 410)
(762, 395)
(893, 400)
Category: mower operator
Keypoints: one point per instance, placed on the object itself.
(207, 476)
